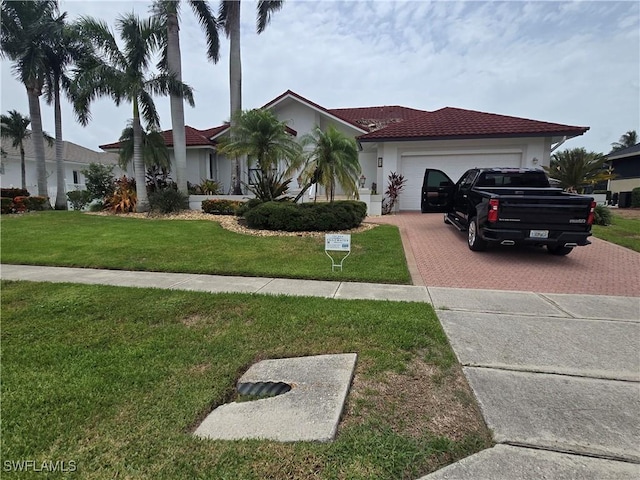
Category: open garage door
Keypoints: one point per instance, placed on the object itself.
(454, 165)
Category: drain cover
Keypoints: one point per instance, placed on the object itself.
(263, 389)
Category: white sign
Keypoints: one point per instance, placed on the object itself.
(337, 242)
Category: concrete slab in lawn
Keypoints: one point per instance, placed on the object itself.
(592, 348)
(568, 414)
(504, 462)
(493, 301)
(307, 288)
(310, 411)
(222, 284)
(596, 306)
(377, 291)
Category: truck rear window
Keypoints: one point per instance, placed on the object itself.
(512, 179)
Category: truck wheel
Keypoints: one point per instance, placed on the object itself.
(476, 243)
(559, 250)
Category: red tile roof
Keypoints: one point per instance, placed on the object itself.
(375, 118)
(451, 123)
(193, 137)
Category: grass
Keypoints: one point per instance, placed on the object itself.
(622, 231)
(74, 239)
(115, 380)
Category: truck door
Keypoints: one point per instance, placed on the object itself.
(437, 191)
(461, 202)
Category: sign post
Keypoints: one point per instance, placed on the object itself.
(337, 242)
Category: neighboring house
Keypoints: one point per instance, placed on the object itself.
(626, 168)
(75, 157)
(396, 139)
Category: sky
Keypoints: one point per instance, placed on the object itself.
(574, 63)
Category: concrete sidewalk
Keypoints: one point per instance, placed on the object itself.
(557, 376)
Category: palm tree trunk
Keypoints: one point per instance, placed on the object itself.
(33, 94)
(174, 65)
(61, 199)
(235, 82)
(23, 167)
(142, 204)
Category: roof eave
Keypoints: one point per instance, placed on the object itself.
(469, 137)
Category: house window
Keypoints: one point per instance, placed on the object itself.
(212, 166)
(76, 176)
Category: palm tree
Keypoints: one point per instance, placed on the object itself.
(577, 168)
(260, 136)
(333, 158)
(229, 16)
(27, 29)
(15, 127)
(155, 154)
(65, 48)
(168, 12)
(627, 140)
(124, 76)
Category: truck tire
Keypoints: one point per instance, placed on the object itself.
(476, 243)
(559, 250)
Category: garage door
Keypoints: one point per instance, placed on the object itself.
(453, 165)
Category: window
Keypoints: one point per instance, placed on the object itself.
(76, 177)
(437, 179)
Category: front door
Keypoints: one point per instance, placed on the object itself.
(437, 191)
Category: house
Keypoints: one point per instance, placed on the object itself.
(396, 139)
(626, 168)
(76, 158)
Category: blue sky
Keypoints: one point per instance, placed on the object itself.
(576, 63)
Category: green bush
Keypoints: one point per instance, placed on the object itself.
(602, 215)
(168, 200)
(7, 205)
(220, 206)
(37, 203)
(96, 206)
(100, 181)
(635, 197)
(320, 217)
(14, 192)
(79, 199)
(246, 206)
(207, 187)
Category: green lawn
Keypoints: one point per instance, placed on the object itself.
(115, 379)
(78, 240)
(622, 231)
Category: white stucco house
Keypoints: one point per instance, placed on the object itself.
(76, 158)
(395, 139)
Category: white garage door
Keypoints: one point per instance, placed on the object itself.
(454, 166)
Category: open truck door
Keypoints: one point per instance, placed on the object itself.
(437, 192)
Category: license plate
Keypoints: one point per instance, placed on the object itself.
(539, 234)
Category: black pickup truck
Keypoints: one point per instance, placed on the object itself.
(509, 206)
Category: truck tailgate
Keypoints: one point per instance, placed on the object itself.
(562, 212)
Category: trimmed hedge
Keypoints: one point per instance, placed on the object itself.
(220, 206)
(635, 197)
(14, 192)
(307, 217)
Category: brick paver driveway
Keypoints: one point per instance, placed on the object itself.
(439, 257)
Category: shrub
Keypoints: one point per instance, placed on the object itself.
(602, 215)
(100, 181)
(20, 204)
(79, 199)
(168, 200)
(246, 206)
(97, 206)
(6, 205)
(269, 186)
(124, 198)
(321, 217)
(394, 189)
(14, 192)
(635, 197)
(37, 203)
(220, 206)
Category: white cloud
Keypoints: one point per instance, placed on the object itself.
(567, 62)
